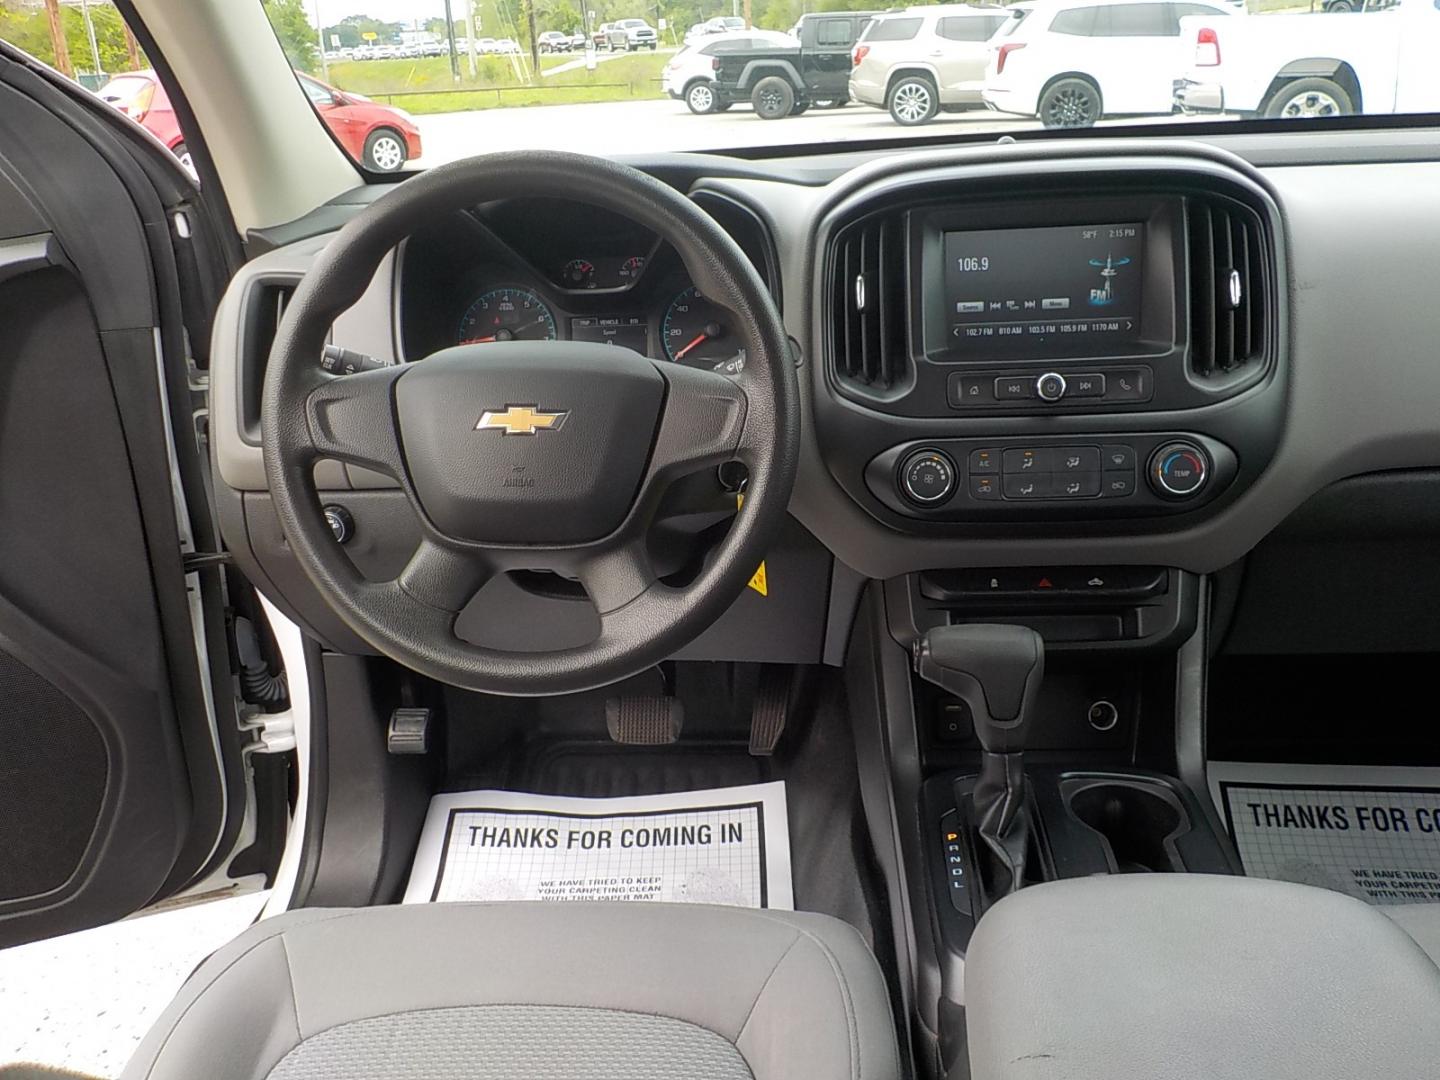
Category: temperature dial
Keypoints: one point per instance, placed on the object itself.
(1179, 470)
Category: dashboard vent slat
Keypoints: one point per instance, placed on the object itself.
(869, 312)
(1228, 279)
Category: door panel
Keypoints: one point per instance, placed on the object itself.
(110, 796)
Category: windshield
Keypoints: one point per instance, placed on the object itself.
(613, 76)
(404, 84)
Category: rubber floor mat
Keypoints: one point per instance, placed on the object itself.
(1371, 832)
(598, 770)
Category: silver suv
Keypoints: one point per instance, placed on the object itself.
(917, 61)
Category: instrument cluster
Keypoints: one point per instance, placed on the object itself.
(582, 277)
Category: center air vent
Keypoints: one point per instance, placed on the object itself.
(869, 310)
(1229, 294)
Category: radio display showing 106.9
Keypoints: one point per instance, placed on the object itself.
(506, 314)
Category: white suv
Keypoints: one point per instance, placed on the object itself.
(1071, 62)
(917, 61)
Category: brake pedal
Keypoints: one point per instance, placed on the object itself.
(644, 720)
(769, 710)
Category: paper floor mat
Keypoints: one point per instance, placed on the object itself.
(1370, 832)
(717, 846)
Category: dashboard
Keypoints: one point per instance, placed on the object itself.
(545, 270)
(1128, 352)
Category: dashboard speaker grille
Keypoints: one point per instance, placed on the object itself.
(868, 303)
(1228, 286)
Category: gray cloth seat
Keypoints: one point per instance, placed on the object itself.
(1421, 922)
(1196, 977)
(518, 991)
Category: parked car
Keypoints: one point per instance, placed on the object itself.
(381, 137)
(917, 61)
(601, 35)
(1295, 66)
(721, 24)
(813, 68)
(578, 40)
(632, 34)
(506, 47)
(553, 41)
(1072, 62)
(690, 76)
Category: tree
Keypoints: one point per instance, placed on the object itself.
(292, 26)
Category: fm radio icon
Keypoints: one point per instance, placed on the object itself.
(1109, 268)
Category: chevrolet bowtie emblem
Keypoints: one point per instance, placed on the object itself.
(521, 420)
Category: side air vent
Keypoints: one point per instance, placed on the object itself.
(264, 306)
(869, 307)
(1229, 294)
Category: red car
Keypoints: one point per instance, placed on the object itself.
(377, 136)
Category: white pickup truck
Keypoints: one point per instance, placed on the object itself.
(1382, 59)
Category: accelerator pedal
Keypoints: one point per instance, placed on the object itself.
(644, 720)
(770, 709)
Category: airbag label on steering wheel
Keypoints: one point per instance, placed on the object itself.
(719, 846)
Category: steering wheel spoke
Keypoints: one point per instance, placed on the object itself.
(618, 576)
(352, 418)
(443, 576)
(702, 425)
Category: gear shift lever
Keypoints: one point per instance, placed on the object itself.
(996, 670)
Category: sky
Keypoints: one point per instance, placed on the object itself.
(406, 11)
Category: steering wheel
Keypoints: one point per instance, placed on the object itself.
(530, 455)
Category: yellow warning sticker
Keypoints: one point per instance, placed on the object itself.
(758, 582)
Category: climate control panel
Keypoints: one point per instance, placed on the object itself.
(1051, 476)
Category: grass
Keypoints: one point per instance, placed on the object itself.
(426, 86)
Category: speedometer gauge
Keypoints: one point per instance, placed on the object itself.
(508, 314)
(697, 332)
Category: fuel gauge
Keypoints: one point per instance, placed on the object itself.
(579, 274)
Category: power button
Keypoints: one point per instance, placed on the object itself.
(1179, 470)
(927, 477)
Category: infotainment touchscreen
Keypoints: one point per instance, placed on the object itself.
(1076, 287)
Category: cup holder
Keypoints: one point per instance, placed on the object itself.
(1138, 821)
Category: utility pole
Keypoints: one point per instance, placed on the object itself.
(90, 33)
(470, 35)
(748, 24)
(132, 47)
(57, 39)
(450, 37)
(534, 45)
(320, 33)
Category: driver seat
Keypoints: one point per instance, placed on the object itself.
(531, 991)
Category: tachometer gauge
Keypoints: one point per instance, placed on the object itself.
(697, 332)
(508, 314)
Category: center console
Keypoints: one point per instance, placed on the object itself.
(1108, 353)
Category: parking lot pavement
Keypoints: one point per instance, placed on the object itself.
(647, 127)
(84, 1000)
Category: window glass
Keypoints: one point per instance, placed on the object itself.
(1134, 20)
(892, 30)
(91, 44)
(320, 95)
(1079, 22)
(834, 32)
(968, 28)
